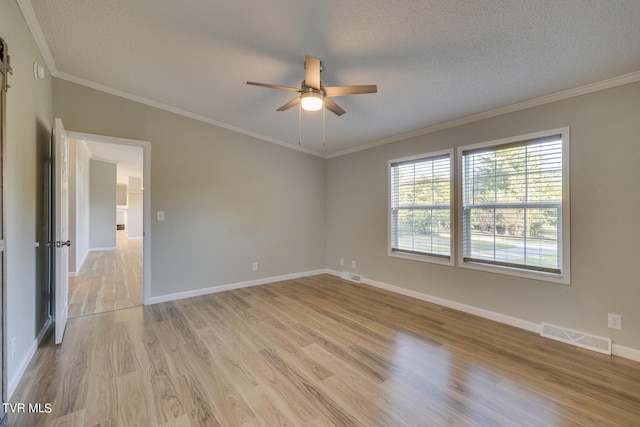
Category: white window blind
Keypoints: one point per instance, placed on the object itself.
(420, 204)
(512, 205)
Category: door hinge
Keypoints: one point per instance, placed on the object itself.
(5, 64)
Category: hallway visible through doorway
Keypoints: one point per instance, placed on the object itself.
(108, 222)
(108, 280)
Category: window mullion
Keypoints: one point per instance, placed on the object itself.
(413, 211)
(495, 200)
(526, 198)
(433, 202)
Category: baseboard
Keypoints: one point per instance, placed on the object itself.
(465, 308)
(231, 286)
(22, 368)
(81, 263)
(616, 349)
(626, 352)
(73, 274)
(106, 248)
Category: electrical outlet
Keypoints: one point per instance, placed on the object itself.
(342, 261)
(255, 266)
(615, 321)
(353, 264)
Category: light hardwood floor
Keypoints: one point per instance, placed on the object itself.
(108, 280)
(319, 351)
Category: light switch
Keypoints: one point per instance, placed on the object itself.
(160, 215)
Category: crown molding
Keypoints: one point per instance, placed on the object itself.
(535, 102)
(159, 105)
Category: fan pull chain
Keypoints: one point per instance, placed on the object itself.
(299, 124)
(324, 115)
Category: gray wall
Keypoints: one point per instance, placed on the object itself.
(605, 201)
(229, 199)
(29, 123)
(135, 213)
(102, 205)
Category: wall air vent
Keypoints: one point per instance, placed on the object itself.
(350, 276)
(579, 339)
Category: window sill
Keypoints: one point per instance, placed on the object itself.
(422, 258)
(563, 278)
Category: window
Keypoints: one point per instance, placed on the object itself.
(420, 207)
(515, 208)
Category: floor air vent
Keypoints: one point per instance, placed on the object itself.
(580, 339)
(350, 276)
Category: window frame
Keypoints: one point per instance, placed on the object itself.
(442, 260)
(564, 277)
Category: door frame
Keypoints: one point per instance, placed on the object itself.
(5, 70)
(146, 199)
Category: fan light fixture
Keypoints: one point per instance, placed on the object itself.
(311, 101)
(313, 95)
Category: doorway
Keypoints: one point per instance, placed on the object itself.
(109, 224)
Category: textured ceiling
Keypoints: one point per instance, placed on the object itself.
(433, 60)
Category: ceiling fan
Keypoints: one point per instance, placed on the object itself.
(313, 95)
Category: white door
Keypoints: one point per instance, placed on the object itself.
(61, 228)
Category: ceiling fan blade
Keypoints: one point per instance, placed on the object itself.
(349, 90)
(312, 72)
(333, 107)
(287, 88)
(294, 101)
